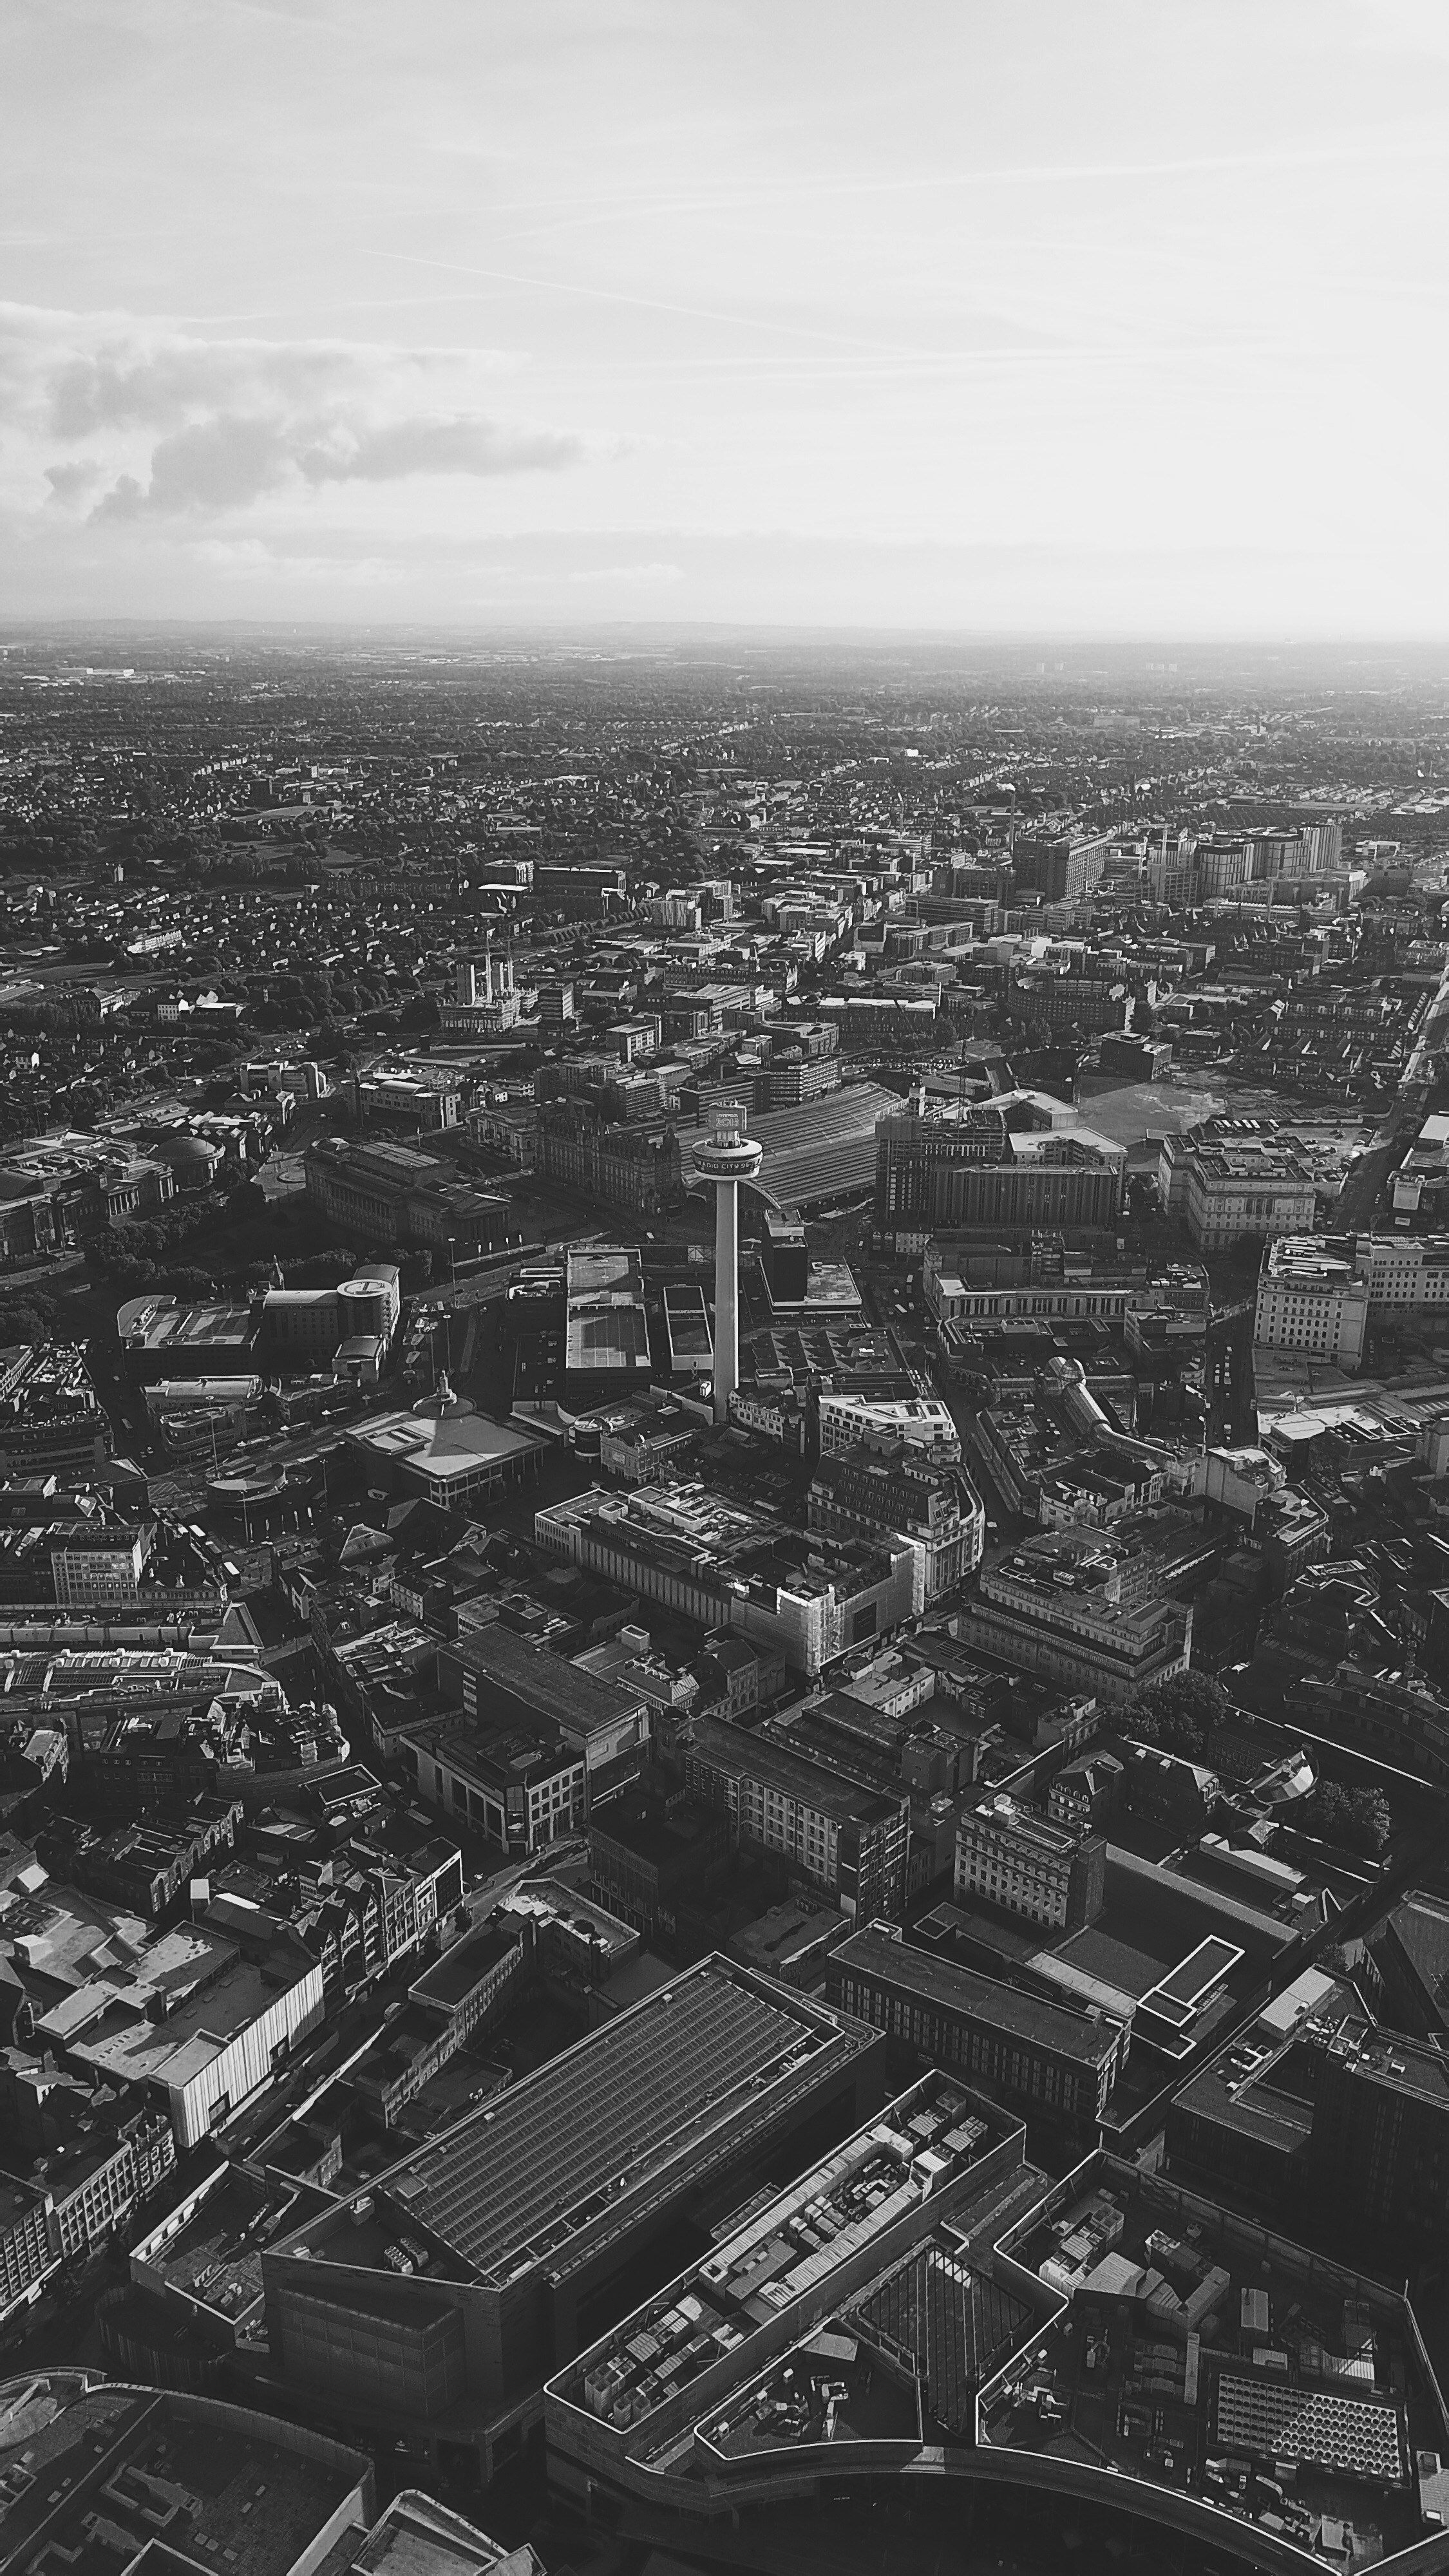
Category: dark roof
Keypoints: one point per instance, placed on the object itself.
(516, 1678)
(658, 2088)
(459, 1969)
(954, 1989)
(815, 1781)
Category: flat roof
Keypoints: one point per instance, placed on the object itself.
(520, 1676)
(512, 2184)
(816, 1783)
(956, 1989)
(788, 2245)
(107, 2026)
(1325, 2370)
(606, 1270)
(220, 2480)
(459, 1969)
(216, 2255)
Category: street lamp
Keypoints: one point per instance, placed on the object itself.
(453, 1265)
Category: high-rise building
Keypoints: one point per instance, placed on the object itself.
(1061, 866)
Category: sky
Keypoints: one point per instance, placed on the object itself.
(982, 316)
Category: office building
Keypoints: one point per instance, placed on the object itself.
(824, 1818)
(1051, 2065)
(922, 1140)
(1231, 1179)
(28, 2255)
(1313, 1300)
(725, 1567)
(919, 1421)
(499, 1680)
(784, 1259)
(435, 2305)
(520, 1786)
(1061, 867)
(1082, 1608)
(861, 1491)
(651, 1859)
(1029, 1864)
(943, 1164)
(1380, 2140)
(50, 1420)
(1408, 1274)
(804, 1064)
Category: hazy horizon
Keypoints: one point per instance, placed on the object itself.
(984, 324)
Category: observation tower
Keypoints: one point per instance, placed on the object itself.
(724, 1158)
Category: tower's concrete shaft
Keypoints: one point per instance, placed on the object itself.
(726, 1157)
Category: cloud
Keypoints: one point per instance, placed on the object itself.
(124, 386)
(459, 445)
(71, 482)
(216, 465)
(169, 426)
(229, 462)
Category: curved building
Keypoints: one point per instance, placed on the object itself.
(924, 2305)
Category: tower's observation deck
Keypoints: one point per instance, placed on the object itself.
(724, 1158)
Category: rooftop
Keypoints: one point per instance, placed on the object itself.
(558, 2153)
(159, 2467)
(215, 2256)
(1198, 2353)
(445, 1447)
(417, 2536)
(788, 2249)
(513, 1678)
(955, 1989)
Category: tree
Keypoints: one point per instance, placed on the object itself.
(1358, 1820)
(1177, 1713)
(1370, 1822)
